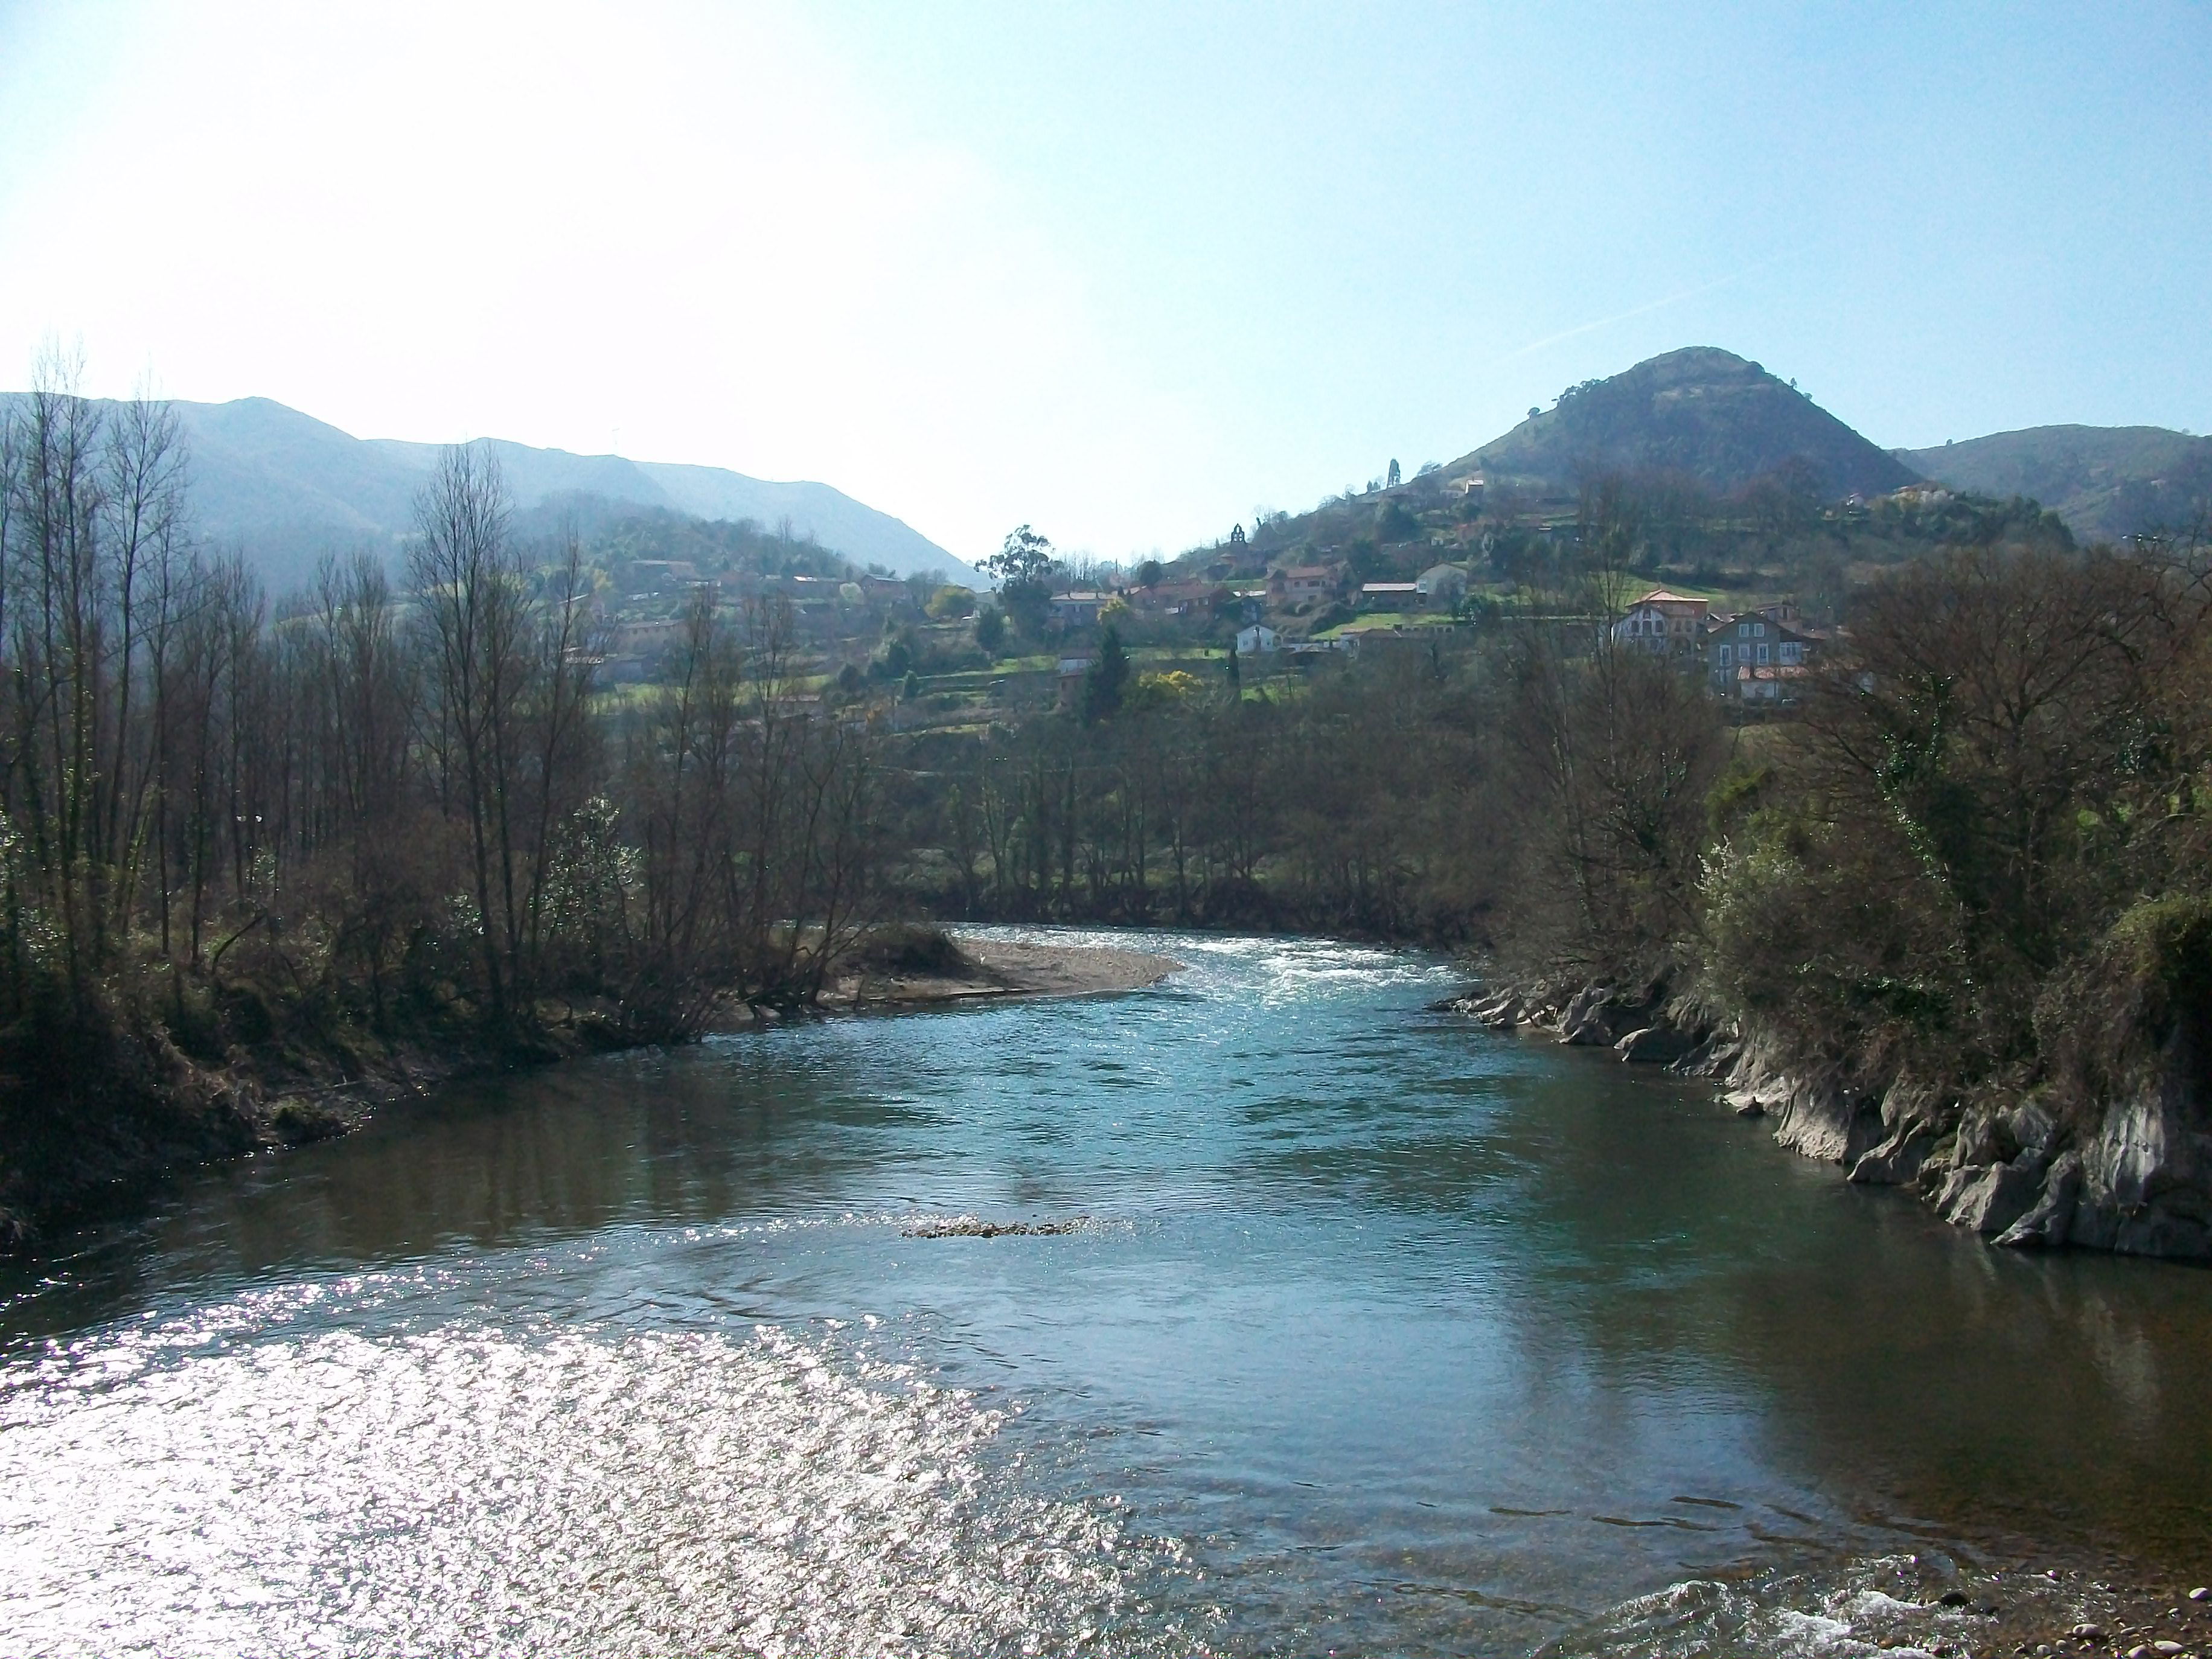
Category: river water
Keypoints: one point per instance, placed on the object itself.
(1368, 1332)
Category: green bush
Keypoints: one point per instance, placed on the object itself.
(2136, 1009)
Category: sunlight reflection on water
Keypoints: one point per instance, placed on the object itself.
(467, 1491)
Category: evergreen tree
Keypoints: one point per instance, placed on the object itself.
(1102, 688)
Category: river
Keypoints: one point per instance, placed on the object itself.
(1366, 1331)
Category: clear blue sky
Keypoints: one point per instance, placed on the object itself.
(1124, 271)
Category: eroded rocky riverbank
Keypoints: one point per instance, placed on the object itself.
(2138, 1181)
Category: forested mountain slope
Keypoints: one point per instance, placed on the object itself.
(2105, 482)
(286, 488)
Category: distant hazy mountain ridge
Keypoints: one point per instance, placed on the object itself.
(286, 488)
(1701, 412)
(2104, 481)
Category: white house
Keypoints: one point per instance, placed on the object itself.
(1664, 622)
(1077, 610)
(1441, 584)
(1257, 638)
(1303, 583)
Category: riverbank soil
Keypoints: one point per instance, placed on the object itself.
(992, 968)
(86, 1135)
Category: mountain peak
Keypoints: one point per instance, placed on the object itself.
(1688, 362)
(1700, 410)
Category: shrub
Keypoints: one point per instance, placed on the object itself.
(2137, 1009)
(950, 603)
(911, 948)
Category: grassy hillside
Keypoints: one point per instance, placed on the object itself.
(2106, 481)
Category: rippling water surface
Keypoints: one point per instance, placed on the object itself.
(1373, 1333)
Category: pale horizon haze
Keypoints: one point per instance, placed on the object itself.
(1124, 272)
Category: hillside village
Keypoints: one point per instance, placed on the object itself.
(1728, 517)
(1712, 494)
(1744, 590)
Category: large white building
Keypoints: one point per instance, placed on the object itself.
(1664, 622)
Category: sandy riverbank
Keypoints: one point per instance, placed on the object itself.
(996, 968)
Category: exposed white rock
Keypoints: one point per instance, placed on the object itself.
(1898, 1160)
(1654, 1045)
(1988, 1198)
(2050, 1219)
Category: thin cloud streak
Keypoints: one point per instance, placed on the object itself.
(1639, 311)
